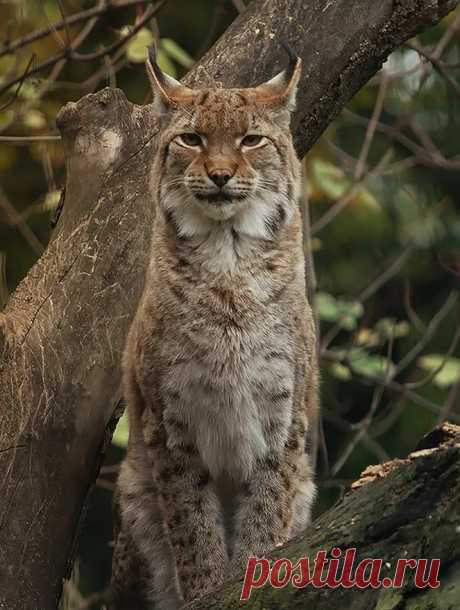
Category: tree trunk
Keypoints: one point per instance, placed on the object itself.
(402, 509)
(65, 327)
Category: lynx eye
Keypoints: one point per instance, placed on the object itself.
(190, 140)
(252, 140)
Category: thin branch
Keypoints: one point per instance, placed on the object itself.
(74, 45)
(25, 74)
(354, 188)
(363, 426)
(428, 378)
(148, 14)
(451, 402)
(66, 23)
(394, 268)
(370, 131)
(428, 335)
(71, 20)
(422, 155)
(391, 384)
(438, 65)
(70, 54)
(452, 29)
(412, 315)
(26, 140)
(25, 231)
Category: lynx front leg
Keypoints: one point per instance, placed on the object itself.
(263, 517)
(144, 563)
(193, 516)
(274, 506)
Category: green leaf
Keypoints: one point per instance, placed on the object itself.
(345, 313)
(121, 434)
(331, 180)
(389, 328)
(340, 371)
(326, 305)
(165, 63)
(136, 49)
(369, 365)
(366, 198)
(447, 375)
(177, 53)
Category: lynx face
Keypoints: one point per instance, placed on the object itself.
(225, 153)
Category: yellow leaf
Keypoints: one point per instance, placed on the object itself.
(34, 119)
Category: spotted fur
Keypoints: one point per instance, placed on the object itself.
(220, 373)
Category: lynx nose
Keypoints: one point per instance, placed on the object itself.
(220, 177)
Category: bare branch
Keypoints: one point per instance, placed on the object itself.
(69, 53)
(80, 17)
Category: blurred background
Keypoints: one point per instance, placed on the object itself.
(381, 195)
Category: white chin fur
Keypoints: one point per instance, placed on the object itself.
(198, 218)
(220, 211)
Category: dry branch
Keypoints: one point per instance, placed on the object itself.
(69, 52)
(82, 16)
(60, 382)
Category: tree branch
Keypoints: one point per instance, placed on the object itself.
(69, 52)
(398, 510)
(66, 22)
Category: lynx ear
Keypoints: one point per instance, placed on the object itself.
(168, 93)
(280, 91)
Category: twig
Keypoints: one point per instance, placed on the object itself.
(363, 426)
(370, 131)
(451, 402)
(71, 20)
(422, 155)
(387, 274)
(25, 231)
(430, 331)
(410, 311)
(21, 82)
(26, 140)
(74, 45)
(70, 54)
(392, 385)
(355, 187)
(438, 65)
(428, 378)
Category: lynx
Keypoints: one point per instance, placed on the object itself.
(220, 372)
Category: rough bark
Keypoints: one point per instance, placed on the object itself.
(402, 509)
(64, 330)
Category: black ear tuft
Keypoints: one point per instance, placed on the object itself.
(153, 54)
(292, 55)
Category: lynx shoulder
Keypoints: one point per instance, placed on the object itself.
(220, 371)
